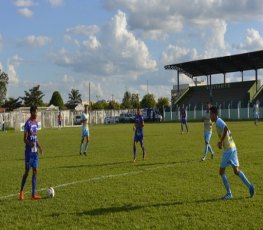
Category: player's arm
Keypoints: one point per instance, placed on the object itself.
(26, 141)
(40, 148)
(220, 143)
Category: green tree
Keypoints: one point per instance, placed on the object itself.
(74, 98)
(12, 103)
(148, 101)
(100, 105)
(113, 105)
(135, 100)
(33, 97)
(3, 86)
(162, 102)
(126, 101)
(56, 100)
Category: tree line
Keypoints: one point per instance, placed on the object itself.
(34, 96)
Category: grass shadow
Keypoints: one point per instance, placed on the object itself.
(130, 207)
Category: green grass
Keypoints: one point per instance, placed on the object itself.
(171, 189)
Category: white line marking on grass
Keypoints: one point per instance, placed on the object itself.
(94, 179)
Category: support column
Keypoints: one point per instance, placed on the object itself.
(256, 80)
(178, 82)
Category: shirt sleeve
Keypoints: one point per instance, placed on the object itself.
(26, 128)
(221, 124)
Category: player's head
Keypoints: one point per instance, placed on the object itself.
(33, 111)
(213, 113)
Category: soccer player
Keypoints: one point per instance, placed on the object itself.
(85, 130)
(183, 120)
(59, 120)
(138, 135)
(229, 155)
(256, 112)
(207, 132)
(31, 152)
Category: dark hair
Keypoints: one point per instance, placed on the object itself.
(214, 110)
(33, 108)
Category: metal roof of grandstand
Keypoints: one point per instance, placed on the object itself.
(220, 65)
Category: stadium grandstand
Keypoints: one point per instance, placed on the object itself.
(226, 94)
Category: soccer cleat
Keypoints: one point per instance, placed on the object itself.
(134, 160)
(212, 156)
(80, 154)
(21, 196)
(35, 197)
(252, 191)
(85, 154)
(228, 196)
(203, 158)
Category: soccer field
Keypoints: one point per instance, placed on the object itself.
(171, 189)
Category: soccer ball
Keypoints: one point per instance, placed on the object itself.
(51, 192)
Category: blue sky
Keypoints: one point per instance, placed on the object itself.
(119, 45)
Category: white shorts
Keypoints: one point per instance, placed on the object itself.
(229, 158)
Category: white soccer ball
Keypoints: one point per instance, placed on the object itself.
(51, 192)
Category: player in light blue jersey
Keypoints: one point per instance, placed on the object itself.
(84, 130)
(229, 155)
(138, 135)
(256, 112)
(207, 132)
(31, 152)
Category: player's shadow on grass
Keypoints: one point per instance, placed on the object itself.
(143, 164)
(95, 165)
(130, 207)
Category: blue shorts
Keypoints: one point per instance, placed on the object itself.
(183, 121)
(59, 123)
(229, 158)
(256, 115)
(207, 136)
(138, 136)
(31, 160)
(85, 132)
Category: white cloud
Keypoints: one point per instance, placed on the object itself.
(92, 43)
(116, 52)
(253, 40)
(174, 54)
(35, 41)
(87, 30)
(13, 64)
(25, 12)
(23, 3)
(159, 17)
(56, 2)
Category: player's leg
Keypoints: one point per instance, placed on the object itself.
(209, 146)
(81, 144)
(226, 184)
(224, 163)
(182, 127)
(205, 151)
(143, 149)
(87, 145)
(244, 179)
(27, 168)
(186, 126)
(34, 165)
(134, 150)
